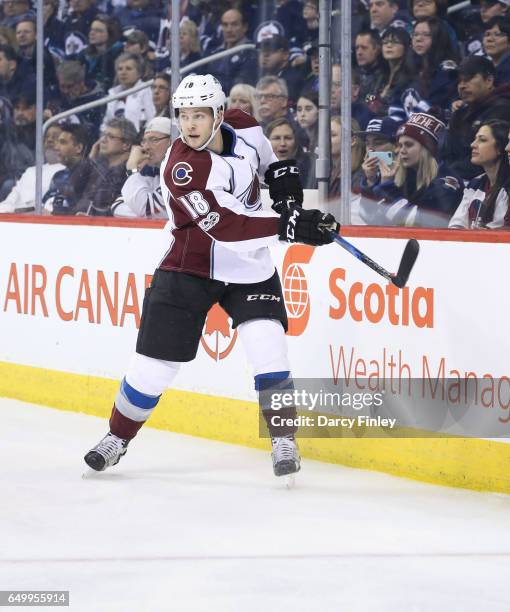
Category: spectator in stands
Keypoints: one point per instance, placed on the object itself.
(26, 39)
(398, 70)
(240, 67)
(485, 199)
(137, 107)
(140, 15)
(274, 61)
(15, 77)
(73, 90)
(14, 10)
(21, 198)
(15, 157)
(141, 193)
(189, 43)
(283, 138)
(359, 110)
(103, 49)
(24, 119)
(496, 43)
(433, 8)
(310, 35)
(311, 82)
(415, 190)
(370, 66)
(77, 24)
(272, 97)
(379, 137)
(307, 115)
(67, 186)
(493, 8)
(137, 43)
(383, 14)
(161, 89)
(357, 153)
(437, 68)
(479, 101)
(243, 96)
(108, 157)
(8, 38)
(53, 29)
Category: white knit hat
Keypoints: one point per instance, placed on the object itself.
(159, 124)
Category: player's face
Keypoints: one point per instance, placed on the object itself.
(307, 113)
(283, 142)
(196, 125)
(484, 150)
(409, 152)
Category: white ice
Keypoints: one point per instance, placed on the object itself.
(185, 524)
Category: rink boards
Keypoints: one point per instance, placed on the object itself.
(71, 293)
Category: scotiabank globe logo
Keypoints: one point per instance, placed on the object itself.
(218, 338)
(295, 287)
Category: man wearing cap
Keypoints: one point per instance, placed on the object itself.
(480, 100)
(415, 191)
(240, 67)
(141, 193)
(274, 61)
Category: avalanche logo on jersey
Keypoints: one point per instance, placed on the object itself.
(250, 197)
(181, 173)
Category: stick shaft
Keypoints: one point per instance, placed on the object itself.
(361, 256)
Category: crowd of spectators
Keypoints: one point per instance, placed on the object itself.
(430, 101)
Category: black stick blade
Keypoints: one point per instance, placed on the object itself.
(406, 263)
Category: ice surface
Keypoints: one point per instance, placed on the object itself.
(187, 525)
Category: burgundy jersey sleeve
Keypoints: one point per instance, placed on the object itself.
(199, 195)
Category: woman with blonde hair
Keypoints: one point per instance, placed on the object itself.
(416, 190)
(242, 96)
(189, 42)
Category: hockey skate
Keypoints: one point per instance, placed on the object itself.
(286, 459)
(107, 453)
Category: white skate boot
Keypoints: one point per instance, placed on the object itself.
(107, 453)
(285, 455)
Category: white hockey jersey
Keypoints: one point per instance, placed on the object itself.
(219, 228)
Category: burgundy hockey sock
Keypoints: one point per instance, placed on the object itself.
(275, 427)
(123, 427)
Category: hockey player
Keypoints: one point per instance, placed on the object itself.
(219, 253)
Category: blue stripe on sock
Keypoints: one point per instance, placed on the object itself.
(269, 379)
(138, 399)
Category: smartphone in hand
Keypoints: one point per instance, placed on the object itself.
(385, 156)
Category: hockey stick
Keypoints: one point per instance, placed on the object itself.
(406, 263)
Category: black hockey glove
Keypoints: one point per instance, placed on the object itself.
(307, 226)
(284, 184)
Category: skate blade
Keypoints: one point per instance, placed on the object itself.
(89, 473)
(290, 481)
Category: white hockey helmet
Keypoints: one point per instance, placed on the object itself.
(199, 90)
